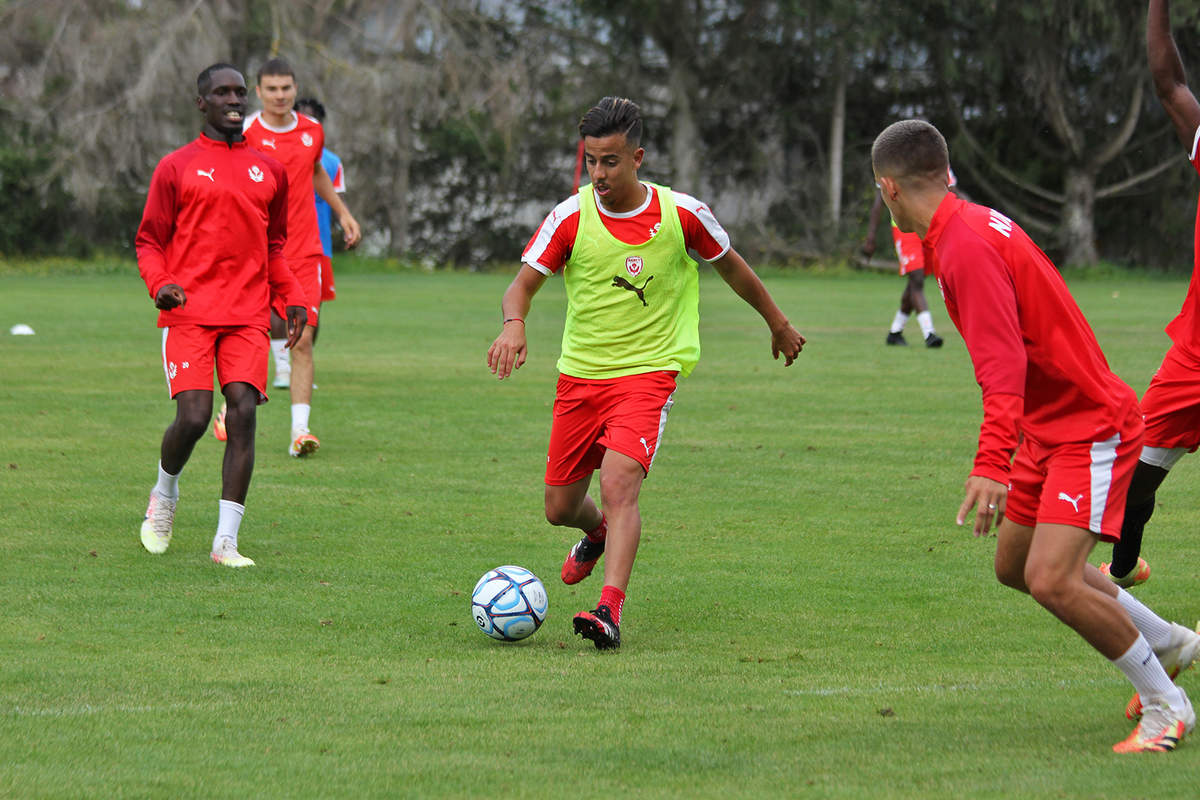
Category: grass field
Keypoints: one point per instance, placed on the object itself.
(805, 619)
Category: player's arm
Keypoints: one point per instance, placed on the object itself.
(154, 234)
(280, 277)
(1166, 69)
(351, 233)
(868, 245)
(509, 350)
(737, 273)
(981, 287)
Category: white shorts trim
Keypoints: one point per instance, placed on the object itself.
(1104, 455)
(1162, 457)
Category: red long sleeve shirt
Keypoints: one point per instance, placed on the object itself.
(1184, 330)
(1036, 359)
(215, 223)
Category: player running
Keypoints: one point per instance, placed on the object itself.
(632, 327)
(1050, 397)
(210, 248)
(297, 141)
(1171, 404)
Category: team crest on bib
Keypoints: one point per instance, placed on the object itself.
(306, 139)
(633, 265)
(256, 174)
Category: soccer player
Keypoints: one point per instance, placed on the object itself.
(1171, 404)
(912, 264)
(621, 245)
(1050, 397)
(333, 168)
(297, 141)
(210, 248)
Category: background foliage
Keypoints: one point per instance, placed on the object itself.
(457, 119)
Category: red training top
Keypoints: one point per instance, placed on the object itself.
(1036, 359)
(1184, 330)
(215, 224)
(298, 147)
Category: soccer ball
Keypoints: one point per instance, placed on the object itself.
(509, 603)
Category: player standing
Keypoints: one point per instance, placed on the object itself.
(210, 248)
(1171, 404)
(297, 141)
(1050, 397)
(631, 328)
(333, 168)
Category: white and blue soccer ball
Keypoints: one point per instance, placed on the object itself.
(509, 603)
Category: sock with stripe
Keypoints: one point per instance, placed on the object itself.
(613, 599)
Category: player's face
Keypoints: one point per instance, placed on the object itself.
(224, 103)
(277, 93)
(612, 164)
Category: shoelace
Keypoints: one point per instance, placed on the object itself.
(162, 517)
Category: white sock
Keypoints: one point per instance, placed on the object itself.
(1147, 675)
(229, 519)
(300, 413)
(925, 320)
(898, 322)
(1156, 629)
(280, 352)
(168, 484)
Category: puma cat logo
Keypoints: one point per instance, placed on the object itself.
(1074, 501)
(638, 290)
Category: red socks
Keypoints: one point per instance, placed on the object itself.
(600, 532)
(613, 598)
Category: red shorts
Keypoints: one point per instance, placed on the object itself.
(308, 272)
(1171, 405)
(593, 416)
(908, 250)
(328, 290)
(239, 354)
(1082, 484)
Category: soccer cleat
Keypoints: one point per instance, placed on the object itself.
(598, 626)
(1182, 650)
(219, 424)
(160, 518)
(895, 337)
(283, 379)
(303, 444)
(1161, 728)
(581, 560)
(227, 555)
(1139, 574)
(933, 340)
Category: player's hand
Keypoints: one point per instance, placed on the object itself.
(990, 496)
(508, 352)
(351, 233)
(788, 341)
(170, 296)
(868, 246)
(297, 318)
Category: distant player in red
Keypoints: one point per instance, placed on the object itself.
(1171, 404)
(297, 141)
(1050, 398)
(210, 248)
(912, 265)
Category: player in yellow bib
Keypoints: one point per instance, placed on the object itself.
(632, 326)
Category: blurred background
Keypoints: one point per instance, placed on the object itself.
(457, 120)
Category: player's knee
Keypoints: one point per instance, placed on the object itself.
(1049, 587)
(1010, 574)
(559, 512)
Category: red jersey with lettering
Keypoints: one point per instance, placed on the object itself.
(1184, 330)
(298, 147)
(215, 223)
(1036, 359)
(551, 246)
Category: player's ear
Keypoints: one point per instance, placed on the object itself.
(888, 187)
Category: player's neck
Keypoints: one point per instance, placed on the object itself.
(277, 120)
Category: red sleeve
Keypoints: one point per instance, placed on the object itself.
(998, 436)
(158, 226)
(981, 287)
(283, 281)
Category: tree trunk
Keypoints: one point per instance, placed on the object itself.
(837, 138)
(1079, 225)
(685, 137)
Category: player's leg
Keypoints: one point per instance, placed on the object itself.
(193, 408)
(570, 505)
(241, 401)
(279, 351)
(1128, 568)
(303, 443)
(896, 331)
(915, 292)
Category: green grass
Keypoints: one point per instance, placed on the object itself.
(805, 619)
